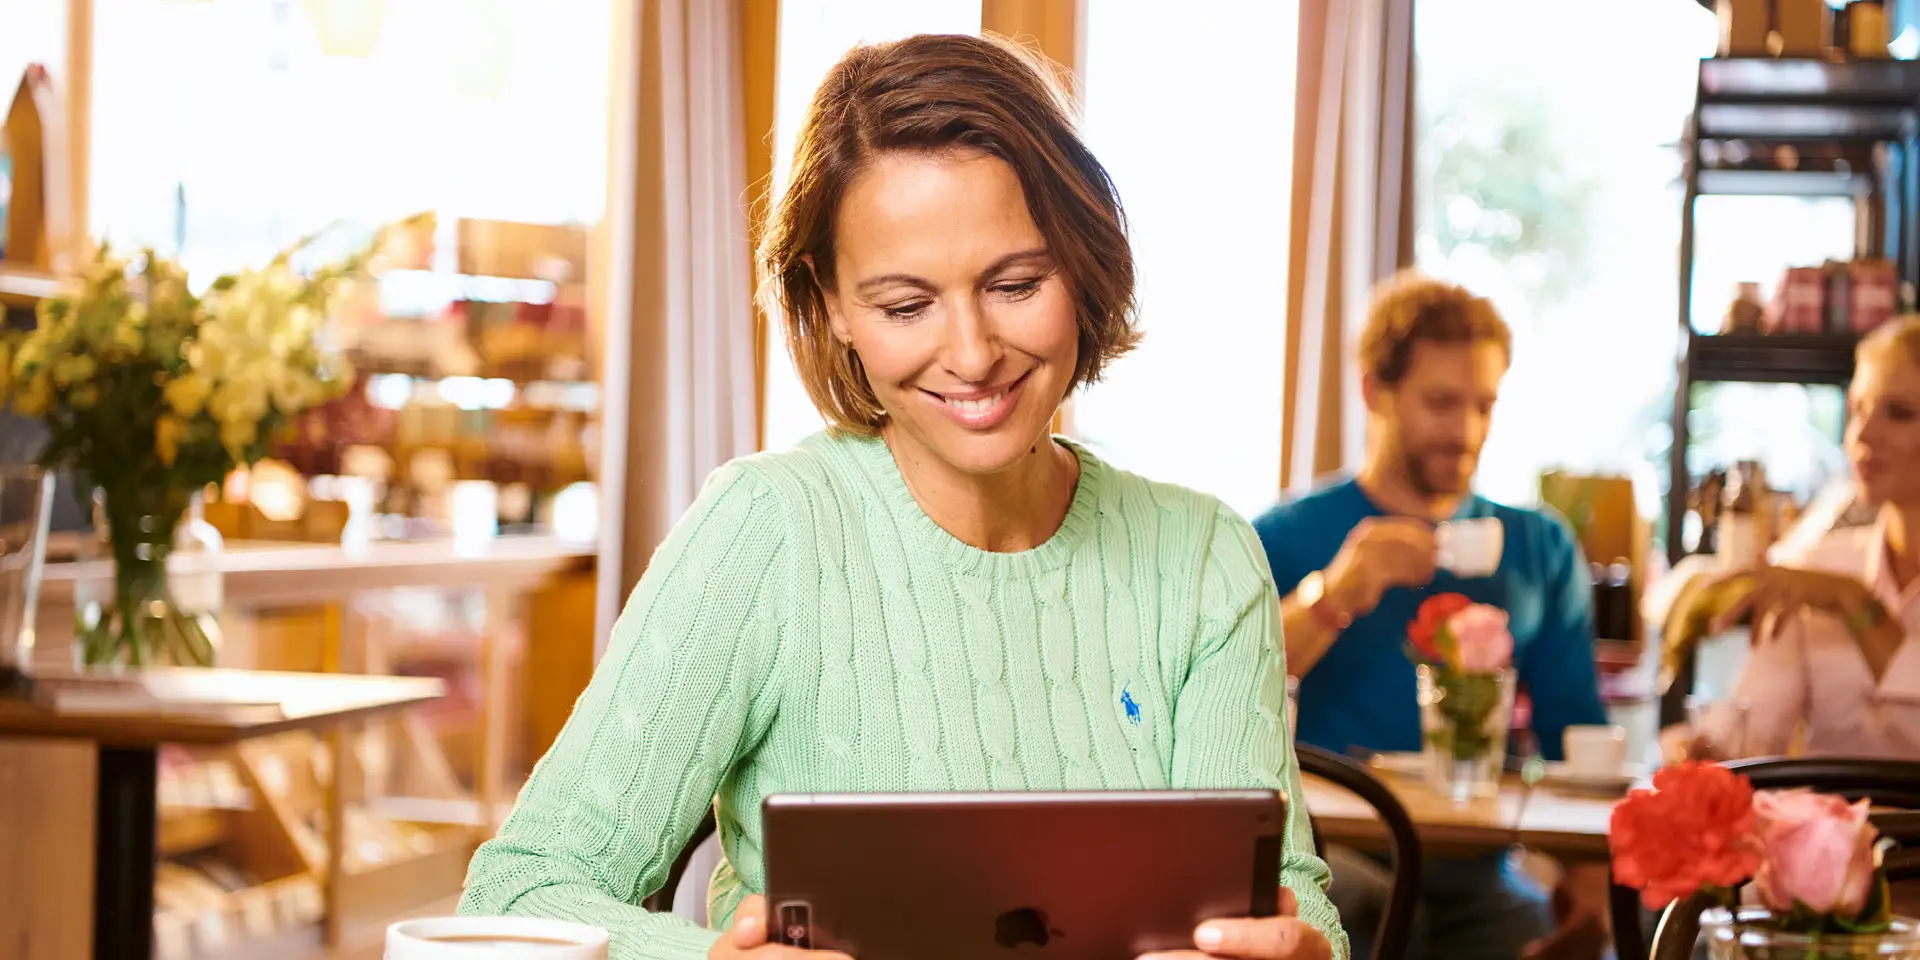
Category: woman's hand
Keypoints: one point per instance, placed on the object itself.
(1284, 937)
(1779, 591)
(748, 938)
(1680, 743)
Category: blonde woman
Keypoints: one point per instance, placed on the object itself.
(1841, 662)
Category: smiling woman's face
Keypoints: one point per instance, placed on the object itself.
(944, 288)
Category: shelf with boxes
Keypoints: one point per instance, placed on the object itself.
(1771, 358)
(1803, 101)
(478, 405)
(1851, 31)
(1798, 127)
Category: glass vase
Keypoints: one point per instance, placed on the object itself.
(1755, 934)
(25, 500)
(138, 618)
(1464, 719)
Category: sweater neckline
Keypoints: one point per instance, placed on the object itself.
(876, 460)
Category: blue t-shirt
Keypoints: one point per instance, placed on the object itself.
(1362, 693)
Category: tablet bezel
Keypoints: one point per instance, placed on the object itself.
(1181, 835)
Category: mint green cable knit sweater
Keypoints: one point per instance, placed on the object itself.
(808, 628)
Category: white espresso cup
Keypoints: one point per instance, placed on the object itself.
(494, 938)
(1470, 548)
(1595, 750)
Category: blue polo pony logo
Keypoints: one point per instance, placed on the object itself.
(1128, 704)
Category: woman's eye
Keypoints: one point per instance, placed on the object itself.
(905, 311)
(1017, 291)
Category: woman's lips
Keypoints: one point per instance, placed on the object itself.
(980, 410)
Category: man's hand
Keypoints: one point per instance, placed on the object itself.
(1581, 905)
(1379, 554)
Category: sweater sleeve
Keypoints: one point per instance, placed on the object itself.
(1229, 719)
(681, 692)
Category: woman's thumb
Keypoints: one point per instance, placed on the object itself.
(750, 923)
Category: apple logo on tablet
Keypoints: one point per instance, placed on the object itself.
(1021, 926)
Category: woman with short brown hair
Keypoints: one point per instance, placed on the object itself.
(934, 594)
(914, 97)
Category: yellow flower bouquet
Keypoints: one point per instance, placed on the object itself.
(152, 392)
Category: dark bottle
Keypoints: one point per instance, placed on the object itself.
(1706, 506)
(1620, 607)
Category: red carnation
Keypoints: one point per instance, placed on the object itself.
(1693, 830)
(1424, 631)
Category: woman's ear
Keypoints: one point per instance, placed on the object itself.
(836, 319)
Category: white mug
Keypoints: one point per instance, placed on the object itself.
(494, 938)
(1470, 548)
(1595, 750)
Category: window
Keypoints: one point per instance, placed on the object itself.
(1793, 430)
(222, 131)
(1549, 181)
(813, 36)
(1192, 113)
(36, 32)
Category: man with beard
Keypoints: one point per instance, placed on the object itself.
(1354, 559)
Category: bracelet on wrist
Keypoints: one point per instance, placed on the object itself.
(1325, 611)
(1866, 617)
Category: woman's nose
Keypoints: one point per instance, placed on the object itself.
(972, 349)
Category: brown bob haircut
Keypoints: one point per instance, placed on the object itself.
(1412, 307)
(932, 94)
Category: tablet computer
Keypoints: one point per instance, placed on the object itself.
(1066, 876)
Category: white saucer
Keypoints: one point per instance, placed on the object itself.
(1558, 775)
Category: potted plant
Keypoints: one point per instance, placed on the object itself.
(1792, 873)
(152, 392)
(1464, 655)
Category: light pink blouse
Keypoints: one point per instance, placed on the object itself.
(1811, 671)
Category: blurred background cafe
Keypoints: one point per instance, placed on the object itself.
(499, 250)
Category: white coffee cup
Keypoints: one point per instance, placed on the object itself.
(494, 938)
(1470, 548)
(1595, 750)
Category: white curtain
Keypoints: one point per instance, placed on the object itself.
(680, 331)
(1352, 216)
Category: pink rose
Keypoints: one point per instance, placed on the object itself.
(1816, 849)
(1481, 639)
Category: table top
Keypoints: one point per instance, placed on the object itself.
(257, 572)
(1570, 826)
(188, 705)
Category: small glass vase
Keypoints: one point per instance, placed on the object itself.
(1755, 934)
(139, 619)
(1463, 723)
